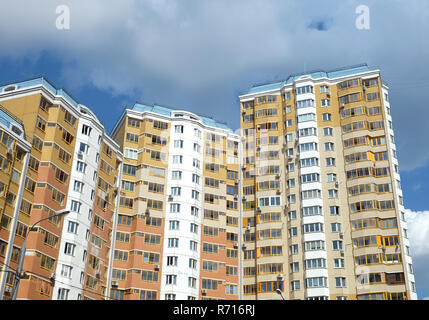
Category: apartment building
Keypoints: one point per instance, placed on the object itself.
(322, 201)
(178, 224)
(72, 164)
(15, 200)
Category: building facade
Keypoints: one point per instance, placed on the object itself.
(69, 149)
(305, 202)
(177, 234)
(323, 209)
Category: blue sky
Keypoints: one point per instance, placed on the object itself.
(200, 55)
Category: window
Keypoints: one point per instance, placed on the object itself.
(192, 263)
(311, 211)
(176, 191)
(332, 177)
(66, 271)
(295, 285)
(175, 208)
(294, 249)
(315, 263)
(327, 117)
(337, 245)
(304, 89)
(178, 129)
(340, 282)
(329, 146)
(171, 279)
(173, 242)
(194, 228)
(328, 132)
(86, 130)
(193, 245)
(326, 102)
(78, 186)
(334, 210)
(178, 144)
(81, 166)
(192, 282)
(333, 194)
(339, 263)
(177, 159)
(314, 245)
(131, 153)
(176, 175)
(41, 123)
(63, 293)
(69, 249)
(330, 162)
(313, 227)
(72, 227)
(316, 282)
(195, 195)
(196, 163)
(336, 227)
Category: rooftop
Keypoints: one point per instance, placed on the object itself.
(167, 111)
(7, 118)
(316, 74)
(42, 81)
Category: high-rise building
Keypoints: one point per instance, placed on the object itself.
(178, 224)
(62, 159)
(323, 214)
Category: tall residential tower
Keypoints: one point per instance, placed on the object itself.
(178, 232)
(323, 210)
(60, 158)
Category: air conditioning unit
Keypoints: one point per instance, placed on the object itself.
(115, 284)
(243, 167)
(8, 289)
(170, 198)
(341, 235)
(280, 277)
(258, 209)
(236, 245)
(203, 291)
(244, 246)
(147, 212)
(337, 184)
(277, 176)
(364, 88)
(98, 274)
(243, 199)
(236, 181)
(342, 253)
(258, 149)
(235, 197)
(157, 267)
(243, 112)
(290, 157)
(278, 192)
(328, 94)
(52, 276)
(247, 228)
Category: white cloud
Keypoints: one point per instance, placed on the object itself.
(418, 234)
(203, 54)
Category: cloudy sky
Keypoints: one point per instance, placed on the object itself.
(200, 55)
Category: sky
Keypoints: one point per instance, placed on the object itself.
(200, 55)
